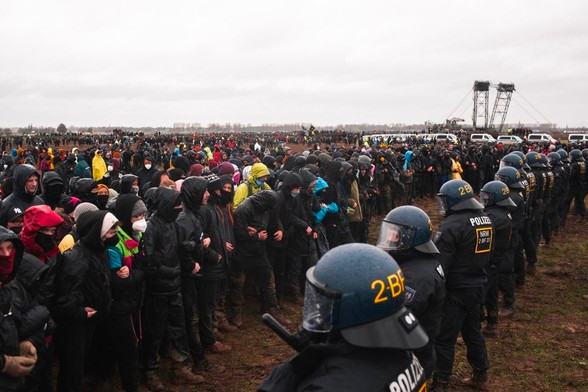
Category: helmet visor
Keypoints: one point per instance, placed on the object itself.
(442, 203)
(486, 198)
(395, 237)
(318, 310)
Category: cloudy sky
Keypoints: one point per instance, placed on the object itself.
(153, 63)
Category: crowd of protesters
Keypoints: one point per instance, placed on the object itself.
(129, 246)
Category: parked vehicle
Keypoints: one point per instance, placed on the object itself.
(482, 138)
(509, 139)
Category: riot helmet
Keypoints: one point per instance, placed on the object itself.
(576, 155)
(358, 290)
(457, 195)
(404, 228)
(496, 192)
(554, 159)
(511, 177)
(534, 160)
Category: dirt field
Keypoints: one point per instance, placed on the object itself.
(542, 348)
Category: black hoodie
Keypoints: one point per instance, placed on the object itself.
(84, 274)
(19, 198)
(159, 244)
(52, 189)
(255, 212)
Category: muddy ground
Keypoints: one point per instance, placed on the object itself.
(542, 348)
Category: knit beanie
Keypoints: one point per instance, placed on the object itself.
(83, 207)
(139, 208)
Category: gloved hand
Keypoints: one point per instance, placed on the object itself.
(18, 366)
(28, 349)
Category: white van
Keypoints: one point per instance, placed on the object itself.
(442, 137)
(482, 138)
(578, 137)
(509, 139)
(541, 137)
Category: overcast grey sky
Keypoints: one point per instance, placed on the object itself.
(140, 63)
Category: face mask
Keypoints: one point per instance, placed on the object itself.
(101, 200)
(112, 241)
(294, 194)
(46, 242)
(7, 264)
(147, 167)
(135, 189)
(110, 168)
(226, 197)
(16, 229)
(140, 225)
(53, 192)
(259, 182)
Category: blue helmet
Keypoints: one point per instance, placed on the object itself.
(534, 159)
(511, 177)
(576, 155)
(564, 155)
(406, 227)
(513, 160)
(358, 290)
(457, 195)
(554, 159)
(496, 192)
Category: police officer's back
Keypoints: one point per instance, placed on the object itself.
(405, 233)
(359, 330)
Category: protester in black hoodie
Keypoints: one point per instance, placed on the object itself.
(83, 294)
(26, 184)
(164, 310)
(52, 189)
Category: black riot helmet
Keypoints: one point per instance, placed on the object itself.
(406, 227)
(534, 160)
(358, 290)
(554, 159)
(496, 192)
(513, 160)
(457, 195)
(564, 155)
(511, 177)
(576, 155)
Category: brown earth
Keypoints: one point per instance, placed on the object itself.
(542, 348)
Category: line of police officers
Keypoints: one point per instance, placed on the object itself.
(366, 309)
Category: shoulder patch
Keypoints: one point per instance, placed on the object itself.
(437, 236)
(409, 294)
(440, 271)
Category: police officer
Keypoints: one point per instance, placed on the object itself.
(405, 233)
(506, 283)
(557, 192)
(548, 211)
(465, 242)
(495, 196)
(534, 161)
(577, 182)
(360, 331)
(517, 160)
(564, 206)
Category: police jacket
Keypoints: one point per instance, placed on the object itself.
(159, 245)
(19, 198)
(502, 223)
(559, 179)
(254, 212)
(517, 213)
(465, 241)
(577, 177)
(83, 278)
(343, 367)
(21, 317)
(424, 293)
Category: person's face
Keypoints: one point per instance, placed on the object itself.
(205, 197)
(136, 183)
(6, 248)
(264, 178)
(146, 162)
(110, 233)
(137, 218)
(16, 223)
(363, 172)
(164, 177)
(32, 184)
(51, 230)
(217, 192)
(102, 192)
(228, 187)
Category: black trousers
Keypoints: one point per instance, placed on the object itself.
(261, 271)
(73, 343)
(190, 297)
(506, 275)
(491, 290)
(164, 313)
(279, 263)
(207, 297)
(124, 332)
(461, 313)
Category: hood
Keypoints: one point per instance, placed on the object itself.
(257, 170)
(408, 156)
(193, 189)
(126, 183)
(89, 228)
(334, 170)
(263, 200)
(197, 169)
(84, 186)
(123, 210)
(289, 163)
(299, 163)
(181, 162)
(292, 180)
(21, 174)
(320, 185)
(51, 178)
(36, 217)
(165, 199)
(9, 235)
